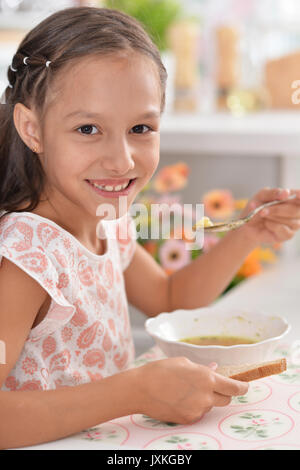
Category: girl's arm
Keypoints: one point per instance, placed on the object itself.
(199, 283)
(173, 390)
(29, 418)
(202, 281)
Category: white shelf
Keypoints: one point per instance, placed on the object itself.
(262, 133)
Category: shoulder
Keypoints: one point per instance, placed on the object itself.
(35, 242)
(38, 249)
(31, 230)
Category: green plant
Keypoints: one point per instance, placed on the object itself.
(155, 15)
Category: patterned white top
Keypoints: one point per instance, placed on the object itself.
(86, 333)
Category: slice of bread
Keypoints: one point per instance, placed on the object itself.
(248, 372)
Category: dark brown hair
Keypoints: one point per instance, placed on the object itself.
(64, 36)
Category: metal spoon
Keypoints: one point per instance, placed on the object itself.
(233, 224)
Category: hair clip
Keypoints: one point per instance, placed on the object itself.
(48, 63)
(12, 69)
(25, 60)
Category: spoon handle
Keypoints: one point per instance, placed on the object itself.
(234, 224)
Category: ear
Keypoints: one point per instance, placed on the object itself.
(26, 123)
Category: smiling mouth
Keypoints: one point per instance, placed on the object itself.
(112, 188)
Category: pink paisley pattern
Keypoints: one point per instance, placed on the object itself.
(60, 258)
(63, 281)
(80, 318)
(11, 383)
(60, 361)
(29, 366)
(46, 233)
(85, 273)
(66, 334)
(85, 334)
(121, 359)
(107, 342)
(112, 326)
(49, 346)
(27, 233)
(102, 293)
(87, 337)
(31, 385)
(109, 270)
(94, 357)
(36, 262)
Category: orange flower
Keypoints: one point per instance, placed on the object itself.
(251, 265)
(218, 204)
(171, 178)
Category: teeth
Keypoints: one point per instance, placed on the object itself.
(110, 188)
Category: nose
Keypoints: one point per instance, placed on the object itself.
(118, 157)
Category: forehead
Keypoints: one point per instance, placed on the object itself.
(101, 83)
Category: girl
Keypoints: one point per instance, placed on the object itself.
(80, 129)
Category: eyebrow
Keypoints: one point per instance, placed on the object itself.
(87, 114)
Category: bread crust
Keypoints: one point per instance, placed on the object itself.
(254, 371)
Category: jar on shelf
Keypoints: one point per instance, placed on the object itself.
(227, 61)
(183, 39)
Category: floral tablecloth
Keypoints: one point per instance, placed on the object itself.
(268, 417)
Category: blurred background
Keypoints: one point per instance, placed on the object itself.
(234, 73)
(230, 54)
(232, 110)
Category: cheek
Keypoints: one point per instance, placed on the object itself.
(64, 172)
(64, 160)
(154, 163)
(150, 159)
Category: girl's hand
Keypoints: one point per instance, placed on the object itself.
(276, 223)
(180, 391)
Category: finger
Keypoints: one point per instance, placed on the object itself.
(293, 224)
(279, 231)
(271, 194)
(221, 400)
(297, 192)
(285, 209)
(229, 387)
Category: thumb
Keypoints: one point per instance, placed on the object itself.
(213, 365)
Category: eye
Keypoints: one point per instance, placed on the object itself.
(86, 129)
(141, 129)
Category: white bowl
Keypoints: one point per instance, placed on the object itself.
(168, 328)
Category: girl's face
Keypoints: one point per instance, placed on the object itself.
(102, 127)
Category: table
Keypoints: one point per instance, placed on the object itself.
(268, 417)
